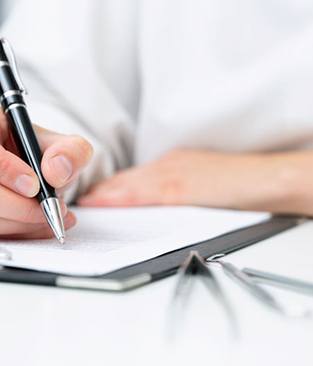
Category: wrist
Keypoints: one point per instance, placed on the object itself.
(284, 184)
(296, 183)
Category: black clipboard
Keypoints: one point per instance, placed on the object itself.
(156, 268)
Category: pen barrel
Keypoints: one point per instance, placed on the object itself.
(7, 80)
(13, 105)
(27, 145)
(3, 56)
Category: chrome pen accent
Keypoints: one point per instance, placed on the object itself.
(9, 93)
(13, 106)
(13, 65)
(4, 63)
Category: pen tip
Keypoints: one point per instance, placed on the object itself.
(52, 210)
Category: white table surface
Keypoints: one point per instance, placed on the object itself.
(50, 326)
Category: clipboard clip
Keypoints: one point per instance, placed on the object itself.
(5, 254)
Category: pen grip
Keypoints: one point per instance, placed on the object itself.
(28, 146)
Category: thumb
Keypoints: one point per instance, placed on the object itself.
(64, 156)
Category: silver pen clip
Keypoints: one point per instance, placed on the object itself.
(12, 61)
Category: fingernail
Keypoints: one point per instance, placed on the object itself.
(62, 167)
(27, 185)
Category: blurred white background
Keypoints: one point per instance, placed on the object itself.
(5, 5)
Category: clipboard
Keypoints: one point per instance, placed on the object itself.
(156, 268)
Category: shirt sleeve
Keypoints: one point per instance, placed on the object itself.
(55, 43)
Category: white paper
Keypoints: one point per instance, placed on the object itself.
(107, 239)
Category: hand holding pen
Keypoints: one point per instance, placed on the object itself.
(57, 162)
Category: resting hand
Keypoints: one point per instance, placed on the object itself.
(278, 182)
(181, 177)
(63, 158)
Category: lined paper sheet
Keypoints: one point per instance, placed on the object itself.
(106, 239)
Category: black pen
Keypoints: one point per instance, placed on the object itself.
(14, 107)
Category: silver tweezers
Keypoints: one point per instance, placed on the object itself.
(284, 282)
(249, 279)
(262, 277)
(247, 283)
(196, 264)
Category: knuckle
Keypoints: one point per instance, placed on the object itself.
(175, 154)
(3, 127)
(2, 118)
(29, 212)
(46, 233)
(84, 146)
(38, 128)
(118, 179)
(172, 191)
(132, 198)
(5, 163)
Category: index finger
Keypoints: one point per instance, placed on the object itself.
(22, 209)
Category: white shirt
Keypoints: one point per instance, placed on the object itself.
(139, 78)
